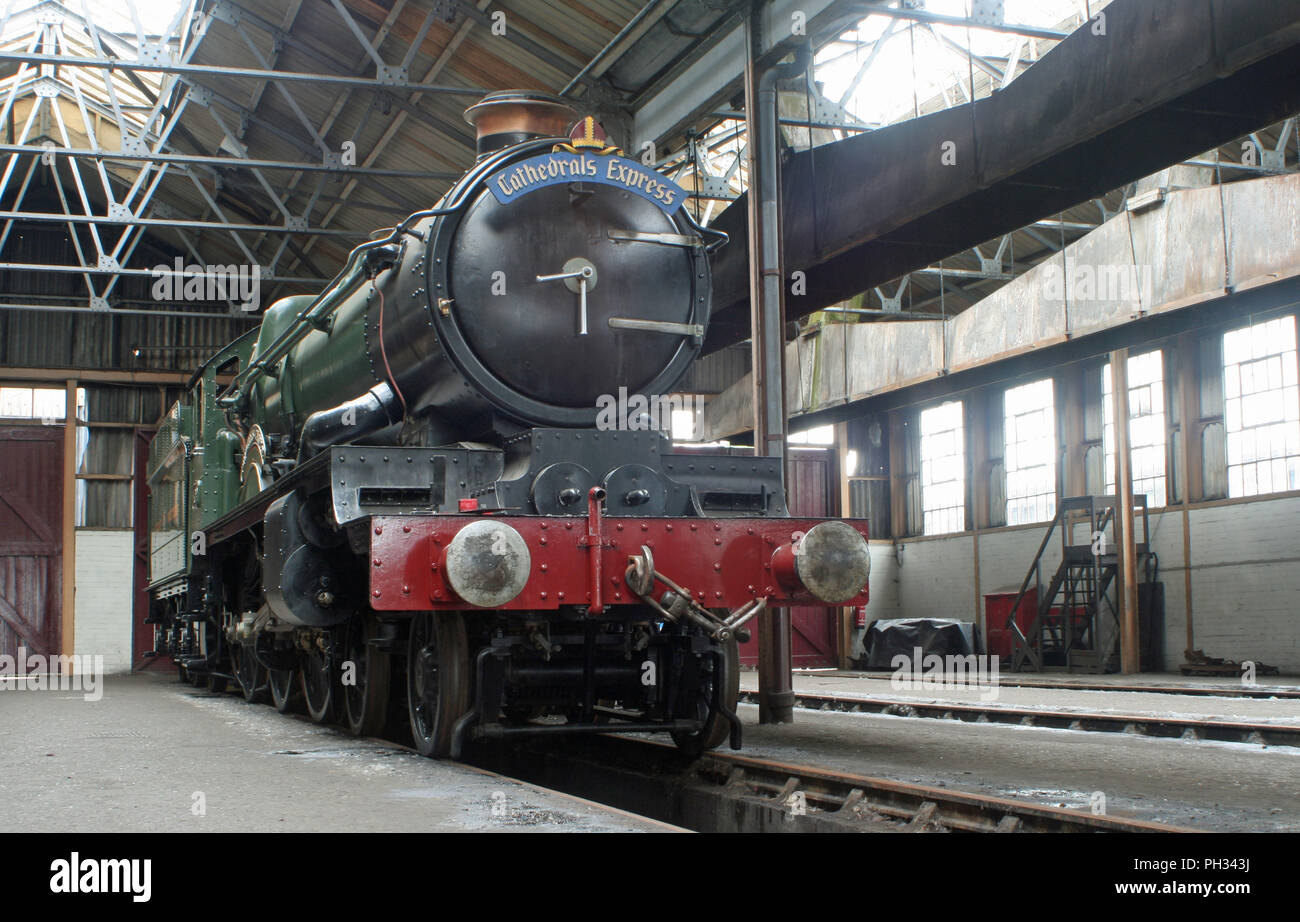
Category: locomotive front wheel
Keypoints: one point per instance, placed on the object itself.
(318, 687)
(286, 691)
(720, 673)
(249, 672)
(365, 699)
(437, 680)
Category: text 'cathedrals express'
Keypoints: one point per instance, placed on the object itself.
(551, 169)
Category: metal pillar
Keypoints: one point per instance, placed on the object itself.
(767, 317)
(1130, 659)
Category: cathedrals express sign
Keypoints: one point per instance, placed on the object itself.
(525, 176)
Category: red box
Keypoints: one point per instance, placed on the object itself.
(997, 608)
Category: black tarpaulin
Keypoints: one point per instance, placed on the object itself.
(889, 638)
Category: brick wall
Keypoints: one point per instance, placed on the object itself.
(1245, 566)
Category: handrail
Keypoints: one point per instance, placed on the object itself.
(1099, 519)
(1035, 573)
(325, 303)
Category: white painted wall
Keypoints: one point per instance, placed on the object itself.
(1246, 581)
(1245, 578)
(102, 615)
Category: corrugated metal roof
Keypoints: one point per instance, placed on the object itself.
(530, 44)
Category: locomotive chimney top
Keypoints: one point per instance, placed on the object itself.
(510, 116)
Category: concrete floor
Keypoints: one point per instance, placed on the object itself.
(1005, 694)
(135, 760)
(1199, 784)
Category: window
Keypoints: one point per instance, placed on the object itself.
(683, 424)
(943, 470)
(1261, 408)
(818, 435)
(1030, 428)
(1146, 426)
(32, 402)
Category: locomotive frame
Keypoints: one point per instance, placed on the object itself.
(352, 553)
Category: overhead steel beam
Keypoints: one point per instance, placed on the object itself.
(148, 273)
(98, 220)
(250, 316)
(253, 73)
(224, 162)
(715, 76)
(920, 15)
(1168, 80)
(641, 23)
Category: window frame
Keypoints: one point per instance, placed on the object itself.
(1025, 513)
(931, 522)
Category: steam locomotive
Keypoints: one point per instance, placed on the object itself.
(401, 490)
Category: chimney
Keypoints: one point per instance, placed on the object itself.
(509, 116)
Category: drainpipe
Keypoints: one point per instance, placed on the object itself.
(767, 312)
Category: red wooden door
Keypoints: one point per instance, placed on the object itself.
(31, 539)
(142, 633)
(814, 633)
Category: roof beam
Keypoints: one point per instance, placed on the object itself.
(714, 76)
(254, 73)
(241, 163)
(1168, 81)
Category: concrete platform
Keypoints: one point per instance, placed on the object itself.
(1205, 785)
(134, 761)
(1064, 698)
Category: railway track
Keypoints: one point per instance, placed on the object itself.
(729, 792)
(1262, 692)
(1168, 727)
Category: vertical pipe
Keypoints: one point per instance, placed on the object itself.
(1130, 658)
(68, 639)
(775, 691)
(1072, 400)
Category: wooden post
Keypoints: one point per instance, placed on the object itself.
(69, 576)
(1126, 553)
(897, 477)
(1188, 355)
(977, 477)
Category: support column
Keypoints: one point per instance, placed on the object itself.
(775, 687)
(1130, 658)
(977, 461)
(1072, 400)
(68, 640)
(1189, 423)
(845, 509)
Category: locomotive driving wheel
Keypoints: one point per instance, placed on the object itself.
(317, 678)
(249, 672)
(286, 691)
(437, 679)
(254, 471)
(708, 681)
(365, 699)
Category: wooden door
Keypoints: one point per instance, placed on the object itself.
(31, 539)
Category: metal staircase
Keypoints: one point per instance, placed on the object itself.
(1076, 627)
